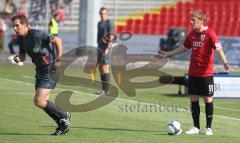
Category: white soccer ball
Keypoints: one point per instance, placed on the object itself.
(174, 128)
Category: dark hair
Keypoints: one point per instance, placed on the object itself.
(23, 19)
(102, 9)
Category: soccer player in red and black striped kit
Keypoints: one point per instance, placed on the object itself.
(203, 42)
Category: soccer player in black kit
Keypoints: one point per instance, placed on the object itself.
(105, 38)
(45, 51)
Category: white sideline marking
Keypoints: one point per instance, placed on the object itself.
(229, 109)
(28, 77)
(120, 99)
(226, 117)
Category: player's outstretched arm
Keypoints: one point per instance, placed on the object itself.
(164, 54)
(224, 60)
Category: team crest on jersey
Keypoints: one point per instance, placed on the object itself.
(203, 37)
(36, 49)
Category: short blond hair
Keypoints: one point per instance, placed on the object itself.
(199, 14)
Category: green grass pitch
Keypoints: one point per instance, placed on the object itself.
(126, 119)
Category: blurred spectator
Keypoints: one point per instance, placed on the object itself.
(37, 10)
(13, 42)
(3, 28)
(53, 25)
(21, 11)
(68, 5)
(61, 15)
(1, 5)
(9, 9)
(23, 1)
(53, 8)
(67, 2)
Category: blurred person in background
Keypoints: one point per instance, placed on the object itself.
(61, 15)
(105, 29)
(9, 9)
(3, 28)
(53, 25)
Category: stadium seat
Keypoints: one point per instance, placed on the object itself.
(119, 29)
(155, 17)
(129, 22)
(178, 16)
(146, 16)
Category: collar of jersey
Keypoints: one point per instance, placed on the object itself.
(205, 28)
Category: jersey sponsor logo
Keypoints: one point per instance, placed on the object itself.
(202, 37)
(197, 44)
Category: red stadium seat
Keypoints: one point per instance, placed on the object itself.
(129, 22)
(137, 29)
(155, 17)
(146, 16)
(129, 28)
(119, 28)
(137, 22)
(222, 16)
(163, 10)
(145, 29)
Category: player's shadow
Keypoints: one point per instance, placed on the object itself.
(120, 129)
(113, 129)
(162, 134)
(22, 134)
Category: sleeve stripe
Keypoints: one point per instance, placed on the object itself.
(218, 46)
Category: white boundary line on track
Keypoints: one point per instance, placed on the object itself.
(120, 99)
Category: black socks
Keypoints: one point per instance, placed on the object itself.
(209, 114)
(195, 113)
(105, 81)
(54, 112)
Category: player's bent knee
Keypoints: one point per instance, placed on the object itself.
(106, 69)
(105, 72)
(40, 103)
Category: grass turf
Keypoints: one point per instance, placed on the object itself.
(126, 119)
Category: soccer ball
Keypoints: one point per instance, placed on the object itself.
(174, 128)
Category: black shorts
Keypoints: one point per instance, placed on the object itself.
(203, 86)
(44, 78)
(103, 59)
